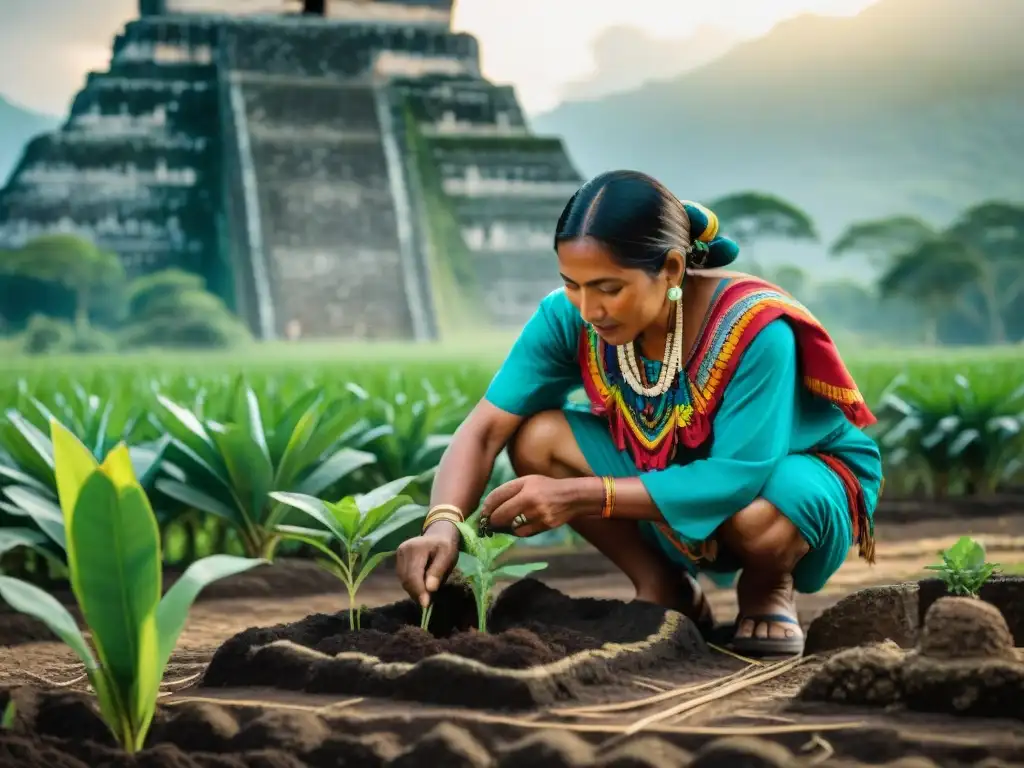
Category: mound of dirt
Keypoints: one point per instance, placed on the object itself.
(868, 616)
(964, 665)
(964, 628)
(540, 647)
(1006, 593)
(63, 730)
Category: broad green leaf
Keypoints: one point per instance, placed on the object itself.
(375, 517)
(288, 423)
(291, 531)
(196, 499)
(383, 494)
(291, 457)
(316, 540)
(118, 467)
(343, 463)
(346, 515)
(114, 558)
(147, 462)
(519, 570)
(73, 465)
(44, 511)
(13, 538)
(19, 477)
(253, 422)
(173, 609)
(405, 523)
(32, 601)
(470, 567)
(470, 540)
(249, 468)
(313, 507)
(29, 447)
(185, 427)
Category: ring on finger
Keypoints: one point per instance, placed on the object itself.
(519, 520)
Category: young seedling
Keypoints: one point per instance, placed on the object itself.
(425, 615)
(355, 526)
(479, 567)
(7, 719)
(963, 567)
(114, 564)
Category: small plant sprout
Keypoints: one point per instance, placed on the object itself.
(356, 526)
(114, 564)
(7, 718)
(478, 565)
(963, 567)
(427, 611)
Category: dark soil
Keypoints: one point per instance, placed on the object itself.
(530, 625)
(964, 664)
(285, 578)
(62, 730)
(896, 613)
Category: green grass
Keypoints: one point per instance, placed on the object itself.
(471, 359)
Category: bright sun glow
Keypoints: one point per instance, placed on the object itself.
(540, 45)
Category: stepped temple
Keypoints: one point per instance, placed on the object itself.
(333, 169)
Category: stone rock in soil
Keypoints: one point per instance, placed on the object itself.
(868, 676)
(644, 752)
(742, 752)
(445, 745)
(867, 616)
(532, 627)
(965, 628)
(547, 749)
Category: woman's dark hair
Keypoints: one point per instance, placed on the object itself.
(640, 221)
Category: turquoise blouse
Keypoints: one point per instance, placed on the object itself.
(765, 415)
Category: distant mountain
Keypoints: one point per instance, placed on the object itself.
(649, 59)
(912, 106)
(17, 126)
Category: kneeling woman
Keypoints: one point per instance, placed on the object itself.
(723, 434)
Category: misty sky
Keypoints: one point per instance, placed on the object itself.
(540, 46)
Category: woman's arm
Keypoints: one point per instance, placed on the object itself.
(468, 462)
(537, 375)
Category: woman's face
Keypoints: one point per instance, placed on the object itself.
(619, 302)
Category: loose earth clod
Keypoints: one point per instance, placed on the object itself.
(965, 628)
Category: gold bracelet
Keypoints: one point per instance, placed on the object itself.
(609, 496)
(448, 508)
(438, 515)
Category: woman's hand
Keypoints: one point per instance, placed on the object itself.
(545, 503)
(424, 562)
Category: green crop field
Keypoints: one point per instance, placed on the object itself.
(210, 432)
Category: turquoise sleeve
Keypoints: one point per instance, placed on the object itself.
(542, 368)
(751, 434)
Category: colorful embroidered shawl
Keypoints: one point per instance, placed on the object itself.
(651, 428)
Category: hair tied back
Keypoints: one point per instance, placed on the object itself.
(711, 251)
